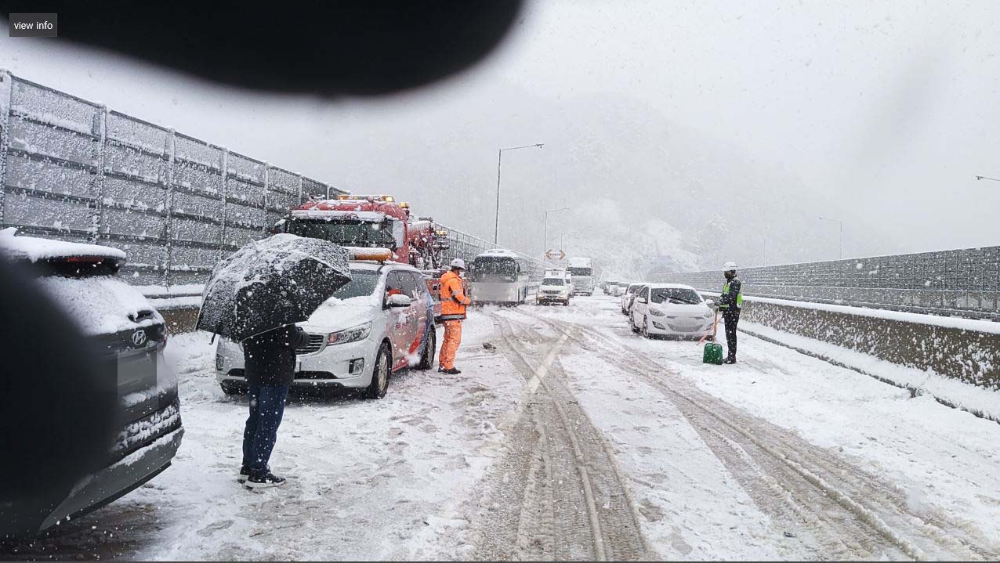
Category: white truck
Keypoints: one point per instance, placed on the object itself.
(582, 273)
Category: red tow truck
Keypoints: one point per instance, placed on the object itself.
(370, 221)
(374, 221)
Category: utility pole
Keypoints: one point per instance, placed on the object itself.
(496, 227)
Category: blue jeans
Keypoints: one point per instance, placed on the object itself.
(267, 404)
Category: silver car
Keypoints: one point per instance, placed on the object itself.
(379, 323)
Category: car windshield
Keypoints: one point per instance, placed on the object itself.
(363, 282)
(553, 281)
(675, 295)
(493, 269)
(345, 233)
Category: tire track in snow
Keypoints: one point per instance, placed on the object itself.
(574, 500)
(850, 512)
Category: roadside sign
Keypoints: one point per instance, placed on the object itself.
(555, 254)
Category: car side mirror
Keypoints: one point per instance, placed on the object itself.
(642, 300)
(710, 302)
(398, 300)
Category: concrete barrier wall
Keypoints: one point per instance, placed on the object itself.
(961, 349)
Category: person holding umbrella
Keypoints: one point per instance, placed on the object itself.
(269, 368)
(255, 297)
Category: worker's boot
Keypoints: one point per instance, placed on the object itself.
(730, 360)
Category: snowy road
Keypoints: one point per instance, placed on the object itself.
(568, 437)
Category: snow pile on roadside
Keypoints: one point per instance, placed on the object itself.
(979, 401)
(989, 327)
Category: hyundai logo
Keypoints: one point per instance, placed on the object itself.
(138, 338)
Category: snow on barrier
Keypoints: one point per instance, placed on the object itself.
(950, 282)
(934, 355)
(74, 170)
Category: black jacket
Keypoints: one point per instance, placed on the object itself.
(269, 357)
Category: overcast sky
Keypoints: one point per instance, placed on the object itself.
(891, 108)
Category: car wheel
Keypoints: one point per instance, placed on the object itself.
(566, 302)
(645, 328)
(380, 374)
(430, 344)
(632, 325)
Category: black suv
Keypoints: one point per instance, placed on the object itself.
(129, 335)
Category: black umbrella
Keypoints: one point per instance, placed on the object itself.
(271, 283)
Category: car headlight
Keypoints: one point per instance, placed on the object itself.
(656, 313)
(350, 335)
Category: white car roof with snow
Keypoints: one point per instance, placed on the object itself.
(35, 249)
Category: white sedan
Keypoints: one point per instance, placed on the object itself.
(670, 309)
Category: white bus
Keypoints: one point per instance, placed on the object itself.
(499, 276)
(580, 269)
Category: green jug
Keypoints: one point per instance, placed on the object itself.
(713, 354)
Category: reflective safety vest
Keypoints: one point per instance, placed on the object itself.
(453, 299)
(726, 297)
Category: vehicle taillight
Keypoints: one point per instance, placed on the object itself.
(85, 259)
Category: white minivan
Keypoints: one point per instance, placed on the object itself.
(381, 322)
(671, 309)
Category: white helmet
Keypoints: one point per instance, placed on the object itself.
(729, 267)
(458, 263)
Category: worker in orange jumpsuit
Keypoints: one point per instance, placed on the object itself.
(453, 302)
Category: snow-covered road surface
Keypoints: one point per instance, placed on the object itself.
(571, 438)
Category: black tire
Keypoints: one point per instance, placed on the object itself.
(380, 374)
(230, 388)
(631, 324)
(566, 302)
(430, 344)
(645, 328)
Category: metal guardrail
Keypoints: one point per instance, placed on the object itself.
(954, 282)
(75, 170)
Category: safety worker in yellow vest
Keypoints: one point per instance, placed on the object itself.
(453, 302)
(730, 303)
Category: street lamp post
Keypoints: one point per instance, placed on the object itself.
(841, 234)
(987, 178)
(496, 228)
(545, 236)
